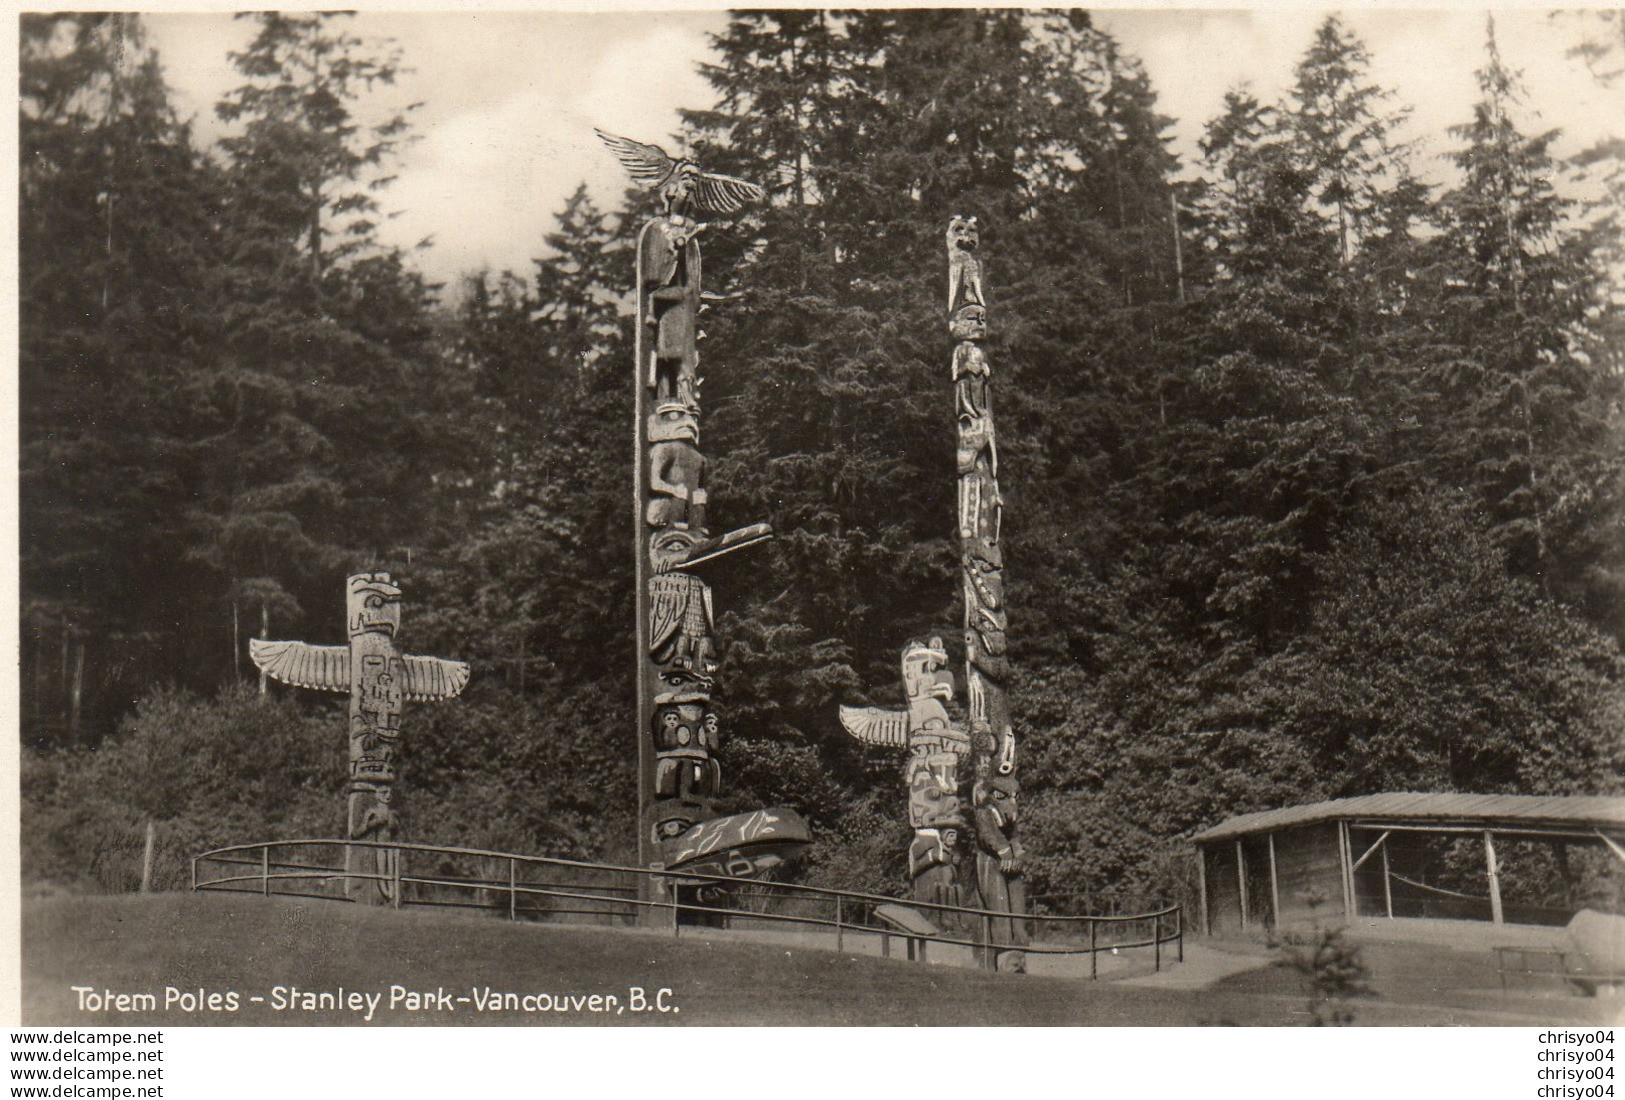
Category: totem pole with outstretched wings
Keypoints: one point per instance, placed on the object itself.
(379, 681)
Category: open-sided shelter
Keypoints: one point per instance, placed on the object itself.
(1529, 859)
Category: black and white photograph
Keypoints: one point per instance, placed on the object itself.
(862, 518)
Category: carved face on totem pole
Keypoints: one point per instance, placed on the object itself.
(674, 422)
(373, 605)
(927, 683)
(999, 794)
(969, 323)
(963, 233)
(686, 734)
(933, 790)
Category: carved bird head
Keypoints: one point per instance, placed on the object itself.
(680, 183)
(374, 605)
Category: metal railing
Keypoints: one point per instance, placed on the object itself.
(543, 888)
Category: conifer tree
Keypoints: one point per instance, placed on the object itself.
(316, 440)
(1527, 376)
(116, 269)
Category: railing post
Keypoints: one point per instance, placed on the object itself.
(990, 956)
(265, 870)
(1156, 939)
(395, 877)
(1094, 959)
(840, 939)
(513, 888)
(1179, 928)
(194, 874)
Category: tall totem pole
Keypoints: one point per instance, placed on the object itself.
(981, 559)
(991, 877)
(679, 733)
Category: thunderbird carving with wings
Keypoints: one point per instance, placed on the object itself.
(681, 183)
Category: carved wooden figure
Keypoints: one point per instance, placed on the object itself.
(379, 681)
(964, 269)
(999, 858)
(931, 774)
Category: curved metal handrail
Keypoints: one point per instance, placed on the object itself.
(394, 881)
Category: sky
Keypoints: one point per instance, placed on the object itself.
(510, 98)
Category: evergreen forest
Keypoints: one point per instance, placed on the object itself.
(1312, 466)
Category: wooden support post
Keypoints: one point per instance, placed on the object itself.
(1275, 887)
(1494, 876)
(1387, 883)
(1094, 959)
(1241, 878)
(840, 938)
(1156, 942)
(513, 888)
(265, 870)
(395, 878)
(1345, 856)
(1201, 882)
(146, 857)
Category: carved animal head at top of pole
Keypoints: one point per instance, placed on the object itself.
(963, 233)
(373, 605)
(681, 184)
(925, 675)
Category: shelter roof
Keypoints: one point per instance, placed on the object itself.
(1510, 812)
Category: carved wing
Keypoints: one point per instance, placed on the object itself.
(669, 594)
(877, 725)
(648, 164)
(318, 667)
(430, 679)
(724, 194)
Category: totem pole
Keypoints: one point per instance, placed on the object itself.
(931, 774)
(379, 681)
(987, 667)
(679, 735)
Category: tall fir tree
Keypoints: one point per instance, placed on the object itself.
(117, 263)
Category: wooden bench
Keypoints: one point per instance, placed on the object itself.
(1590, 955)
(911, 924)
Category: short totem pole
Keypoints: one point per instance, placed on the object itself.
(679, 732)
(379, 681)
(932, 773)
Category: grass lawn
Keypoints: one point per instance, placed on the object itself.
(252, 946)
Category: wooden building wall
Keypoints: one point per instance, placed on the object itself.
(1223, 891)
(1307, 860)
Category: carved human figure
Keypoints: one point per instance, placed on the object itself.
(964, 269)
(676, 468)
(933, 866)
(999, 865)
(687, 737)
(378, 825)
(669, 273)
